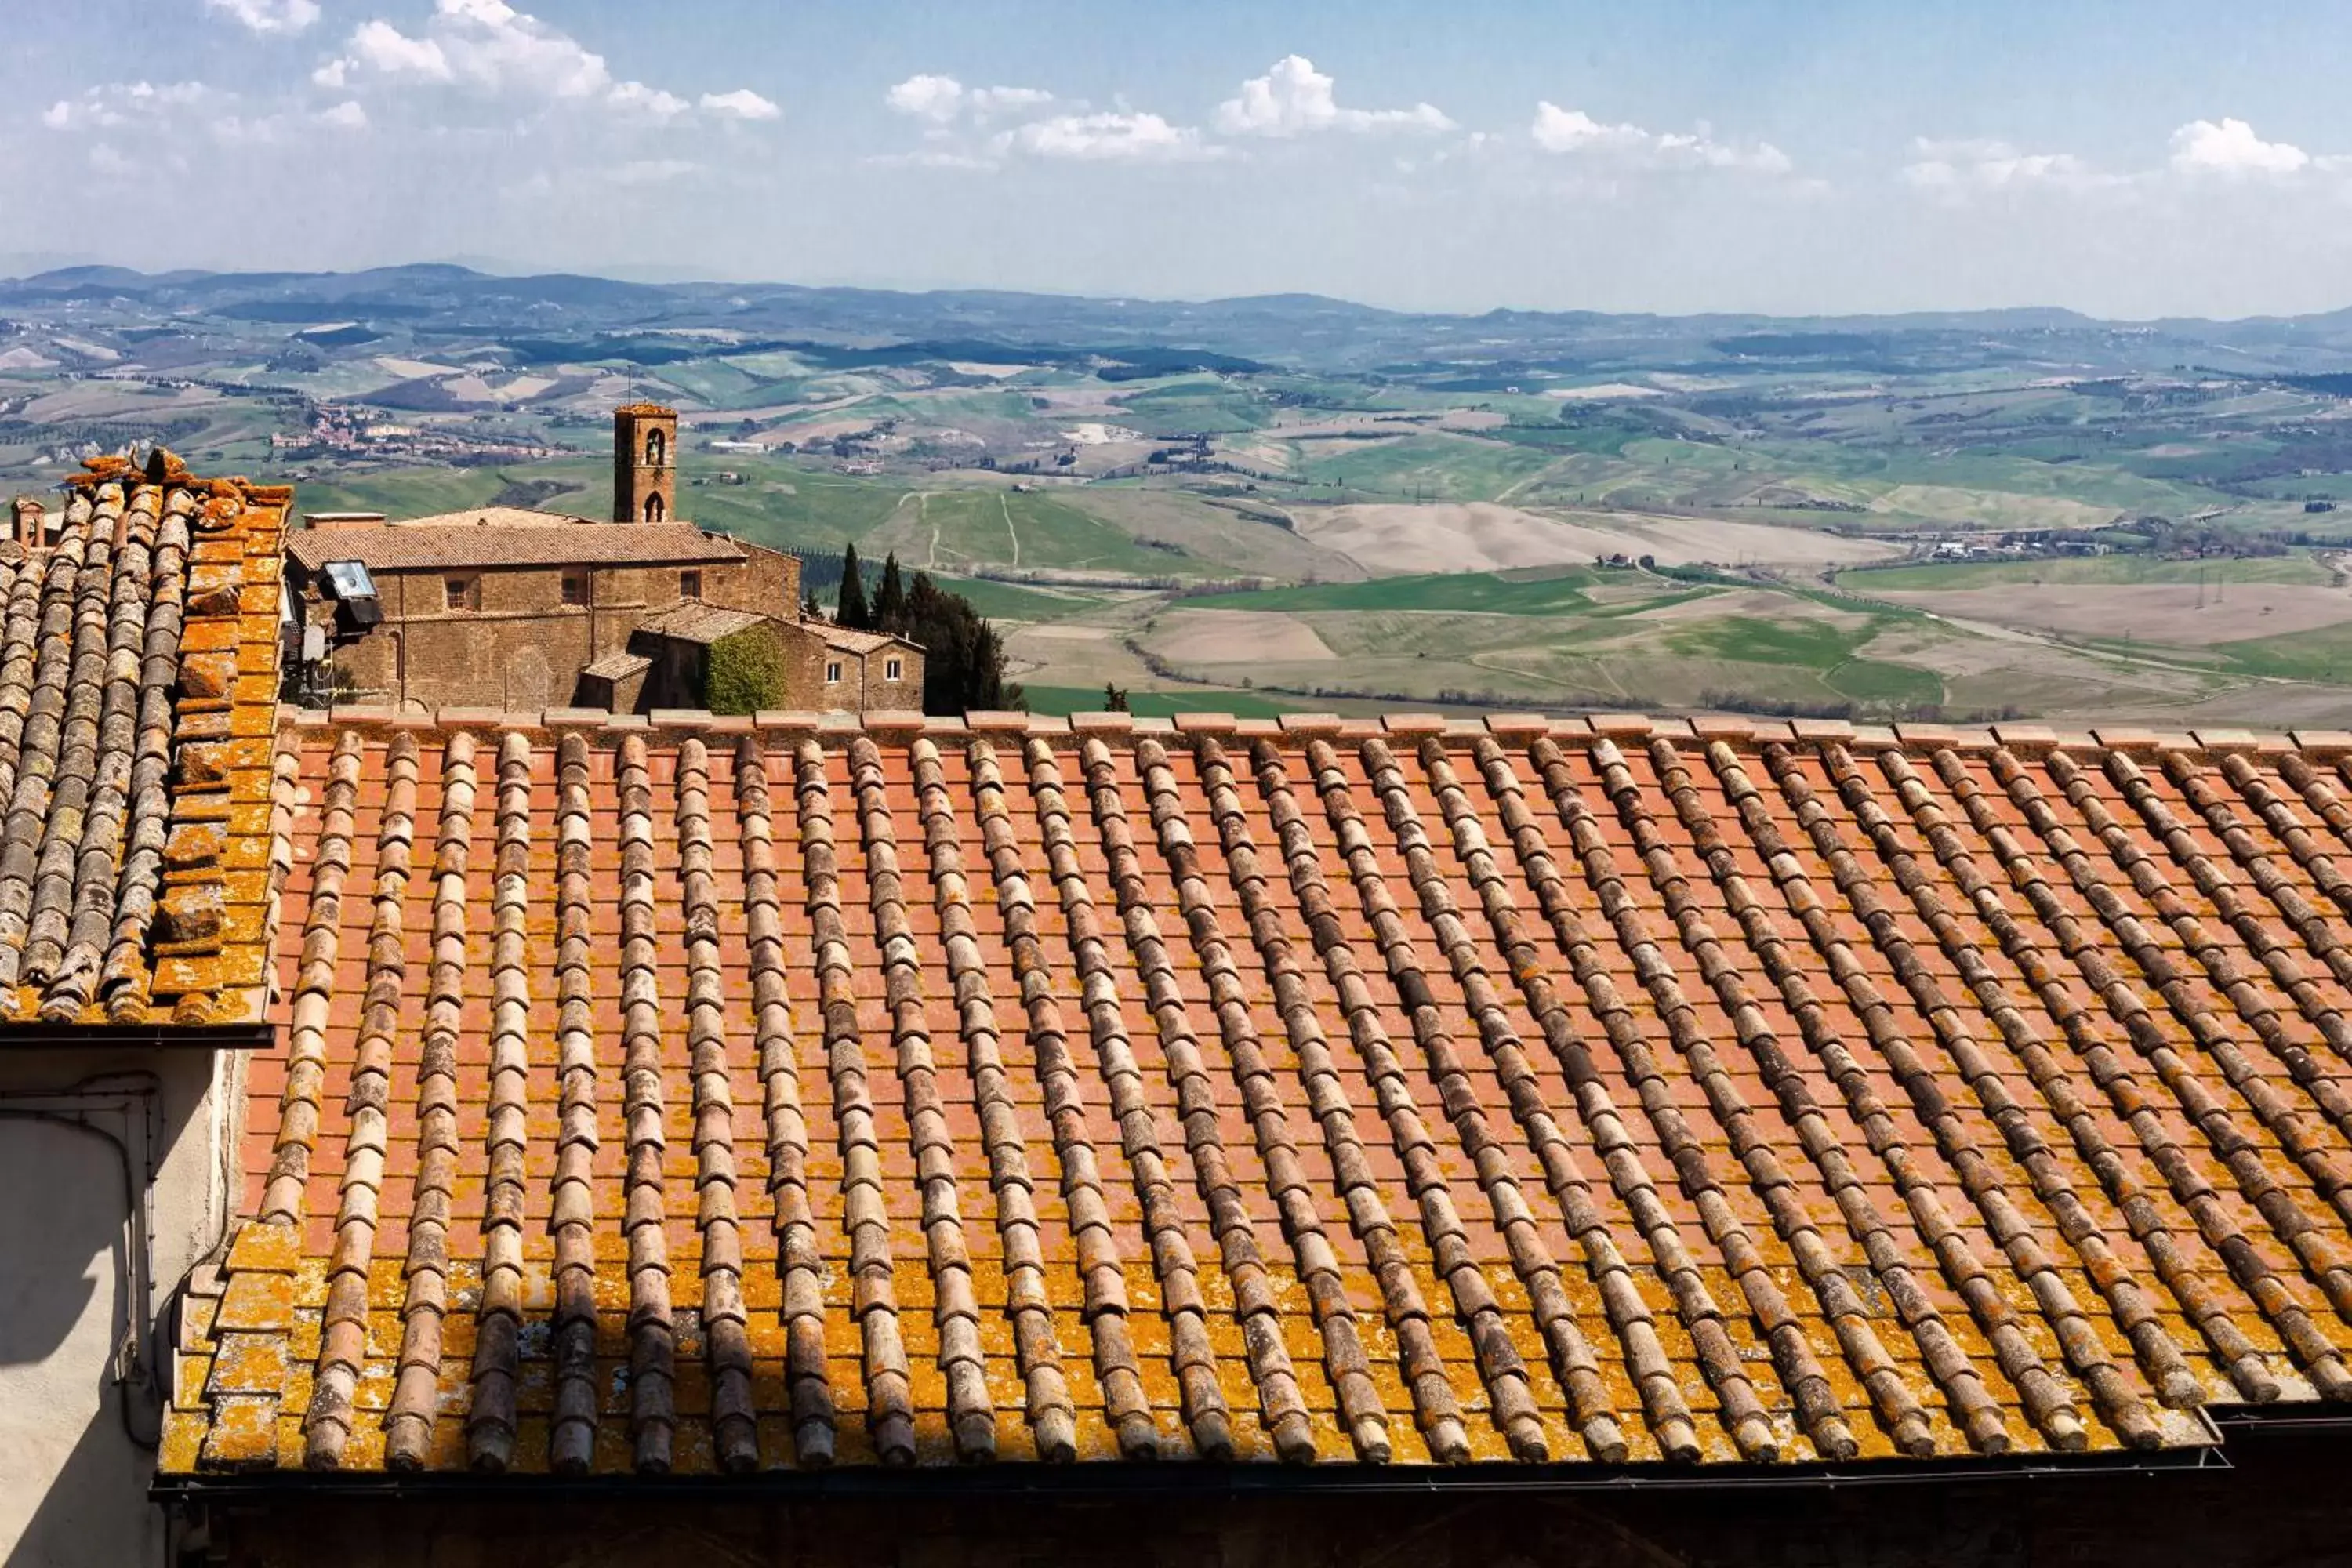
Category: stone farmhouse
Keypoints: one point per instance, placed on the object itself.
(568, 1138)
(510, 608)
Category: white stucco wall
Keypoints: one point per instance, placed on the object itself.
(73, 1482)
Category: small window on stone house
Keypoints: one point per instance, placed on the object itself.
(462, 593)
(833, 672)
(690, 585)
(893, 669)
(575, 587)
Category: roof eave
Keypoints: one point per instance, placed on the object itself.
(1115, 1478)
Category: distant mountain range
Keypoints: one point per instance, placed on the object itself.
(1308, 330)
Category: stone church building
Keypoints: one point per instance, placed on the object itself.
(517, 609)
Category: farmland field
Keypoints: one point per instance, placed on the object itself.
(1014, 602)
(1502, 594)
(1157, 704)
(2165, 614)
(2297, 567)
(1283, 502)
(948, 529)
(1430, 466)
(1482, 536)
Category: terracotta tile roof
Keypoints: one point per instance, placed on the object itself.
(698, 622)
(710, 1096)
(424, 547)
(849, 641)
(138, 694)
(618, 666)
(490, 517)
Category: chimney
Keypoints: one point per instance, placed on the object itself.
(29, 523)
(329, 520)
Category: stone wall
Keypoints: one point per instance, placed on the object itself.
(520, 645)
(865, 686)
(679, 669)
(767, 583)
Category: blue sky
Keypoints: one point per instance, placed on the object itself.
(2132, 160)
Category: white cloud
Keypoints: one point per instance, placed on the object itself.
(171, 115)
(2204, 154)
(1573, 133)
(941, 100)
(119, 104)
(927, 97)
(1131, 138)
(931, 158)
(986, 101)
(956, 122)
(269, 15)
(651, 171)
(2230, 149)
(740, 104)
(485, 44)
(1559, 130)
(1294, 99)
(1964, 166)
(381, 47)
(237, 129)
(637, 96)
(490, 48)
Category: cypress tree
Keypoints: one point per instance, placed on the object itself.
(850, 609)
(963, 658)
(890, 599)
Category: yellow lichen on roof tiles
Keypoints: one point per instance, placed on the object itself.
(800, 1094)
(134, 645)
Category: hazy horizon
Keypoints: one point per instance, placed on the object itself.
(2131, 161)
(15, 268)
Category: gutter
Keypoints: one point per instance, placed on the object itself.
(136, 1036)
(1112, 1479)
(2257, 1420)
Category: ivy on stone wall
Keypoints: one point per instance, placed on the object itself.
(744, 673)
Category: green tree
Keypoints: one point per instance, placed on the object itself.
(890, 599)
(744, 673)
(963, 658)
(850, 609)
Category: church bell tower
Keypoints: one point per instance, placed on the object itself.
(645, 463)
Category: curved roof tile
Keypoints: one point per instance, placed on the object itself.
(138, 692)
